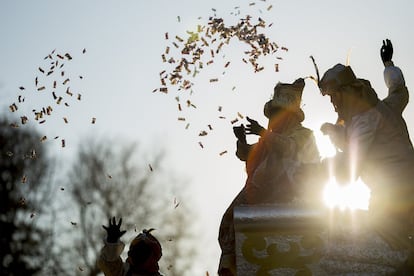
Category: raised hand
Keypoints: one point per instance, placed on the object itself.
(254, 128)
(386, 51)
(113, 230)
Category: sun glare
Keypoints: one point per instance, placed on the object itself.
(352, 196)
(325, 147)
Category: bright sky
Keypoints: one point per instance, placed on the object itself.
(124, 41)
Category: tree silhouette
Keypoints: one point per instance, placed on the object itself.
(26, 234)
(105, 181)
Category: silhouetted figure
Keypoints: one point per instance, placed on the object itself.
(143, 255)
(274, 164)
(374, 144)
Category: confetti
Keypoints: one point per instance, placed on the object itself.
(150, 167)
(13, 107)
(176, 203)
(234, 121)
(223, 152)
(93, 120)
(185, 56)
(69, 92)
(22, 201)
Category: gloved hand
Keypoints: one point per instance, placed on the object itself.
(254, 128)
(386, 51)
(113, 230)
(328, 129)
(240, 133)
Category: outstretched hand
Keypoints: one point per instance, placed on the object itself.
(254, 127)
(386, 51)
(113, 230)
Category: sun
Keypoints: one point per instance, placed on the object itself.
(352, 196)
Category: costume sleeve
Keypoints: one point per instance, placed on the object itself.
(397, 97)
(300, 168)
(361, 134)
(243, 150)
(306, 148)
(109, 260)
(338, 137)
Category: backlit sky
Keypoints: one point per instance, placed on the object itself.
(124, 41)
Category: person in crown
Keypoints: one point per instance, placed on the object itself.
(274, 164)
(374, 145)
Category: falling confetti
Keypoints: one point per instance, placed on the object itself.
(192, 53)
(48, 80)
(223, 152)
(176, 203)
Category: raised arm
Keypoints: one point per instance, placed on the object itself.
(397, 97)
